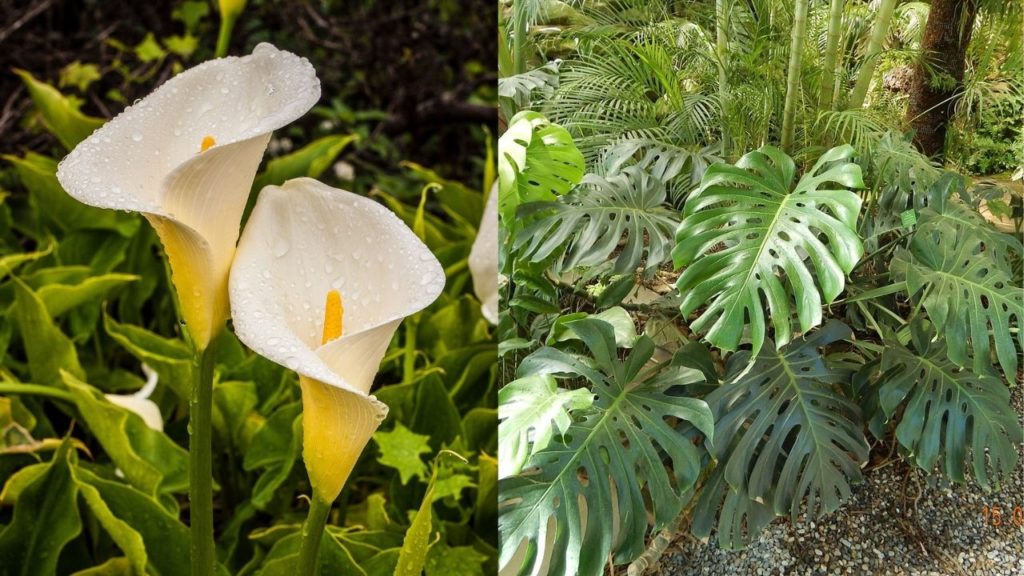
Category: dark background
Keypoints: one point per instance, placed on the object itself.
(416, 78)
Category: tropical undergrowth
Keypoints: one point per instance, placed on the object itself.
(707, 341)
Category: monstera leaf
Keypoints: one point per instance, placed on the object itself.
(537, 160)
(592, 221)
(624, 439)
(530, 410)
(741, 520)
(784, 437)
(750, 241)
(519, 89)
(957, 267)
(951, 415)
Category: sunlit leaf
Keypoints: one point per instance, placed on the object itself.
(752, 243)
(401, 449)
(62, 118)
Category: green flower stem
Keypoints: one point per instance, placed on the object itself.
(35, 389)
(227, 25)
(201, 464)
(312, 533)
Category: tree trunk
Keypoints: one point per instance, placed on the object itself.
(828, 64)
(796, 49)
(874, 49)
(722, 49)
(944, 44)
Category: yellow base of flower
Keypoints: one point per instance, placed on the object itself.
(201, 284)
(336, 426)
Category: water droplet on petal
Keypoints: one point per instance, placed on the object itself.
(281, 246)
(137, 137)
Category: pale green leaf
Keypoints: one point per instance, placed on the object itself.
(401, 449)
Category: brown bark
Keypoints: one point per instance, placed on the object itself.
(944, 45)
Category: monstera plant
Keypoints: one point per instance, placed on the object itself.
(815, 348)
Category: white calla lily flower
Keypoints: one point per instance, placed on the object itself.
(321, 280)
(140, 403)
(483, 259)
(185, 157)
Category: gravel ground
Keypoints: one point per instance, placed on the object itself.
(895, 524)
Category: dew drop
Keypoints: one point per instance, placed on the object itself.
(281, 247)
(137, 137)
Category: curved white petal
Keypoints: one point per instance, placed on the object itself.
(140, 403)
(123, 164)
(483, 259)
(145, 408)
(304, 239)
(149, 159)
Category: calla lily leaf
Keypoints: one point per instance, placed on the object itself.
(42, 525)
(39, 175)
(151, 461)
(10, 262)
(275, 447)
(62, 118)
(49, 350)
(60, 298)
(417, 541)
(310, 161)
(444, 560)
(435, 414)
(171, 358)
(114, 567)
(464, 205)
(185, 157)
(164, 536)
(333, 558)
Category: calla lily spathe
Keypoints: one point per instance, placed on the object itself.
(483, 259)
(185, 157)
(140, 403)
(321, 281)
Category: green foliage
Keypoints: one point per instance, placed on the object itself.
(952, 417)
(958, 269)
(519, 89)
(629, 406)
(60, 114)
(532, 410)
(401, 450)
(761, 225)
(88, 309)
(783, 436)
(537, 161)
(806, 274)
(585, 228)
